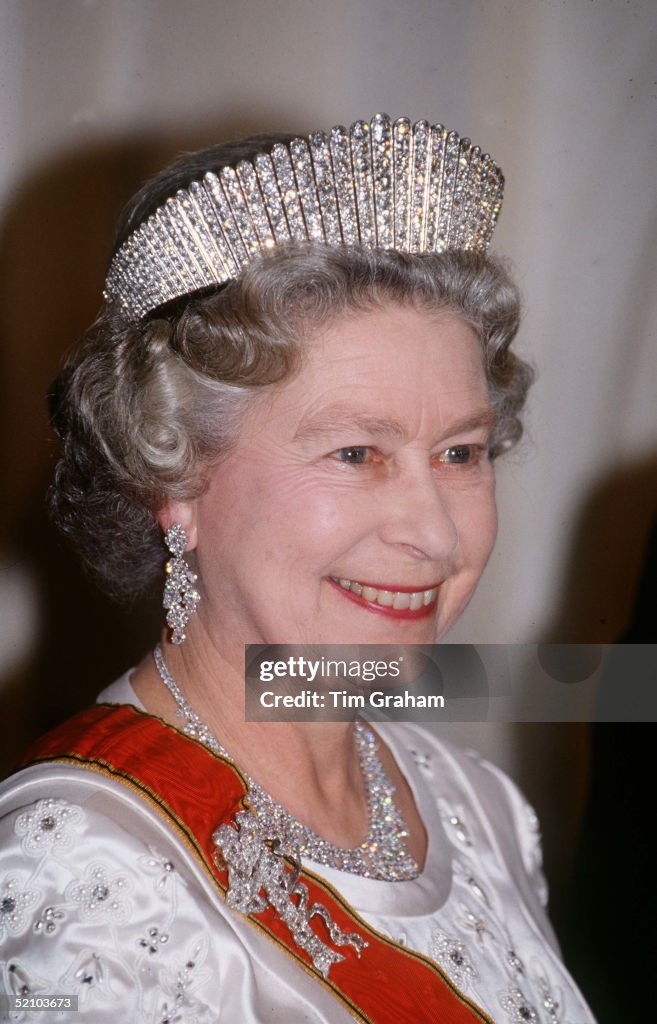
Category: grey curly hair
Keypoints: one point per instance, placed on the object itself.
(142, 409)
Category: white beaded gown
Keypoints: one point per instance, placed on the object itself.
(99, 899)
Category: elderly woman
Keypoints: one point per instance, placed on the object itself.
(299, 383)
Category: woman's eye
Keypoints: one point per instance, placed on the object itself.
(354, 456)
(462, 454)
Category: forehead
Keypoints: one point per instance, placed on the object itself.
(404, 367)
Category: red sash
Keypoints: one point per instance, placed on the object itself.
(196, 791)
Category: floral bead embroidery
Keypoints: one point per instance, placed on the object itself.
(159, 866)
(181, 983)
(474, 923)
(15, 904)
(48, 922)
(21, 981)
(153, 939)
(452, 957)
(101, 896)
(90, 977)
(423, 760)
(517, 1008)
(50, 825)
(551, 998)
(89, 971)
(464, 875)
(455, 824)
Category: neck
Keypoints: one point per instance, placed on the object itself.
(311, 768)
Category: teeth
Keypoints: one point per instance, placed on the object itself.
(397, 599)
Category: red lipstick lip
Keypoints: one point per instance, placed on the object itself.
(392, 613)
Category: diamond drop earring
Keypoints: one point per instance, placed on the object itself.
(181, 597)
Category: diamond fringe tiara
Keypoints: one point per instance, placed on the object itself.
(414, 188)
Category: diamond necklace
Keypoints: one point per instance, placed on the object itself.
(383, 854)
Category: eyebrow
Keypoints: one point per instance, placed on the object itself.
(343, 419)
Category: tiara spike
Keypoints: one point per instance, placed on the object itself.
(180, 228)
(459, 197)
(361, 162)
(450, 162)
(344, 184)
(477, 223)
(420, 162)
(380, 184)
(272, 197)
(402, 137)
(255, 205)
(144, 288)
(307, 189)
(381, 142)
(287, 184)
(461, 237)
(230, 231)
(215, 224)
(320, 151)
(496, 201)
(240, 210)
(201, 210)
(437, 158)
(169, 247)
(492, 184)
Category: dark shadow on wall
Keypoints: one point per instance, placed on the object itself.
(606, 556)
(602, 902)
(601, 597)
(55, 243)
(613, 870)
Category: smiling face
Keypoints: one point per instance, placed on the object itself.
(357, 505)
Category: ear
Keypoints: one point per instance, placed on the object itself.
(183, 512)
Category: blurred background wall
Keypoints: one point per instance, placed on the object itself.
(96, 95)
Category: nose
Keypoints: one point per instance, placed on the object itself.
(417, 515)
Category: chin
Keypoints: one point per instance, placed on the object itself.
(383, 633)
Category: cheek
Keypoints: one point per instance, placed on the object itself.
(478, 526)
(485, 527)
(489, 533)
(267, 511)
(314, 520)
(294, 490)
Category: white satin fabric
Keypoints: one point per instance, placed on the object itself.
(98, 898)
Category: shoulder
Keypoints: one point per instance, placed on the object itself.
(56, 819)
(88, 893)
(479, 792)
(101, 900)
(453, 765)
(98, 899)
